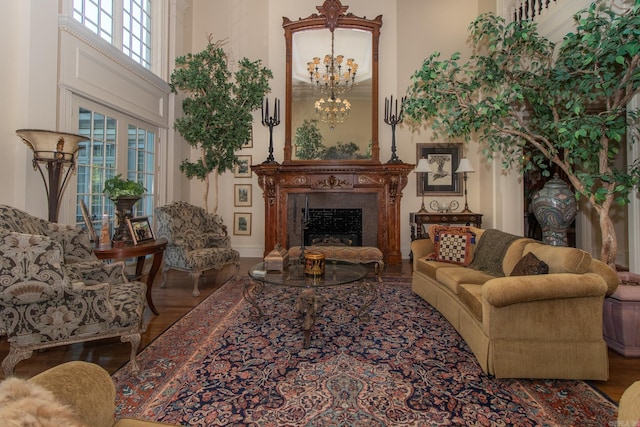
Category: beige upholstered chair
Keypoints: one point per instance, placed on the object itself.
(198, 241)
(85, 389)
(51, 296)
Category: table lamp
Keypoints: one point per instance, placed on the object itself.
(423, 167)
(465, 167)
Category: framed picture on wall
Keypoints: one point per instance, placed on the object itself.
(242, 224)
(444, 160)
(242, 195)
(243, 167)
(140, 229)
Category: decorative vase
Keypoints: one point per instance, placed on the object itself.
(621, 316)
(124, 210)
(555, 208)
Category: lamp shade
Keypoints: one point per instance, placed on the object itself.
(423, 166)
(50, 145)
(465, 166)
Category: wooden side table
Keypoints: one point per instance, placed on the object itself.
(141, 250)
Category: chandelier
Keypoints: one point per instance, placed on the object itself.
(333, 75)
(332, 110)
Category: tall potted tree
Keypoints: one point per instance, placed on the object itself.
(217, 116)
(569, 105)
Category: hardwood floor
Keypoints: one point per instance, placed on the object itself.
(175, 300)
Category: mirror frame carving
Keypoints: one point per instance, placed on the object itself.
(332, 14)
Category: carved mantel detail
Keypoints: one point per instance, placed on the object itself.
(385, 181)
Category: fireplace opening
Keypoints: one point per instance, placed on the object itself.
(361, 208)
(334, 227)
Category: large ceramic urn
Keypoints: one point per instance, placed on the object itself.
(124, 210)
(555, 208)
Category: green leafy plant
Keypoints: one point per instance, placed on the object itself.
(117, 187)
(217, 116)
(308, 140)
(568, 106)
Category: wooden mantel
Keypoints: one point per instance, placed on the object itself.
(386, 181)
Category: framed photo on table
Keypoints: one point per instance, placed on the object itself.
(140, 229)
(243, 167)
(242, 195)
(242, 224)
(87, 221)
(444, 160)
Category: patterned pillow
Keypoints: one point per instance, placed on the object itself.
(453, 244)
(530, 265)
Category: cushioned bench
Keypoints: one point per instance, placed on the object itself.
(355, 254)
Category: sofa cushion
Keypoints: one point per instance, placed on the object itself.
(429, 266)
(453, 244)
(453, 277)
(471, 297)
(491, 250)
(561, 259)
(530, 265)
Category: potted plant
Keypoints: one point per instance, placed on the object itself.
(124, 193)
(569, 106)
(217, 117)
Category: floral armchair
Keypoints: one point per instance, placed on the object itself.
(198, 241)
(51, 296)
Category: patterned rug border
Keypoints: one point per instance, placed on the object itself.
(163, 373)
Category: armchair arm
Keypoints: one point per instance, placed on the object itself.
(504, 291)
(85, 387)
(94, 272)
(31, 269)
(422, 247)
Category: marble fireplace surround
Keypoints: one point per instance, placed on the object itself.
(376, 188)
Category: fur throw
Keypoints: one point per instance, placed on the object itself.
(23, 404)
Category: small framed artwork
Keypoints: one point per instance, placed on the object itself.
(87, 221)
(140, 229)
(249, 142)
(242, 224)
(242, 195)
(243, 167)
(444, 160)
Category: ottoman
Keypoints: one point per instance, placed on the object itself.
(355, 254)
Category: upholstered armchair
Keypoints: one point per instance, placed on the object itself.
(45, 302)
(198, 241)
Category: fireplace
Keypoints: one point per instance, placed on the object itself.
(335, 227)
(336, 216)
(374, 190)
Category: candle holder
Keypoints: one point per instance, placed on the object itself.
(393, 117)
(304, 224)
(270, 122)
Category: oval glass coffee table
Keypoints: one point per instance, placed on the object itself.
(309, 289)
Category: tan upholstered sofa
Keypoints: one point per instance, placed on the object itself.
(74, 394)
(531, 326)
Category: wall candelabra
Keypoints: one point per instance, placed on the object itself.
(271, 122)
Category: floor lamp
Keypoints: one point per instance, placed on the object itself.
(56, 150)
(465, 167)
(422, 168)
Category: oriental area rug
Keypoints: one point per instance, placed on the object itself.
(222, 365)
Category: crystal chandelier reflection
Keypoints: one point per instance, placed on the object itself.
(332, 110)
(337, 76)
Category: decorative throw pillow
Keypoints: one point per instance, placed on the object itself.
(453, 244)
(530, 265)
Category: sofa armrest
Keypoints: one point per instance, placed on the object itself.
(421, 248)
(504, 291)
(86, 387)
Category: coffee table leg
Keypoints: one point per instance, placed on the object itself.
(309, 304)
(370, 290)
(251, 289)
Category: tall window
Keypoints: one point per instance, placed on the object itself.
(126, 24)
(115, 144)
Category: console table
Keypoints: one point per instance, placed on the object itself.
(417, 219)
(140, 251)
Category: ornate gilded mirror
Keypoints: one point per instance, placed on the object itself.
(331, 106)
